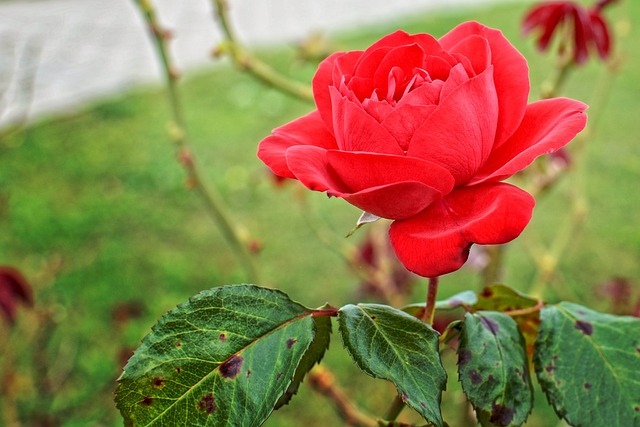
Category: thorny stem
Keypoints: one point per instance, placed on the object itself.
(322, 381)
(212, 199)
(249, 63)
(496, 254)
(547, 260)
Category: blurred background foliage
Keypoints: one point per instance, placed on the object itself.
(94, 211)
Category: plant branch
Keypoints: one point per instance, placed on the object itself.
(493, 271)
(177, 131)
(525, 311)
(249, 63)
(322, 381)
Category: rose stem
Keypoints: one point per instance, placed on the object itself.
(212, 199)
(323, 381)
(249, 63)
(430, 307)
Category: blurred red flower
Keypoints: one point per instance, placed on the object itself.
(584, 29)
(14, 288)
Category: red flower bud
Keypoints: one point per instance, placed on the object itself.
(578, 28)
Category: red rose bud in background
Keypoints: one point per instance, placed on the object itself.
(578, 28)
(422, 131)
(14, 289)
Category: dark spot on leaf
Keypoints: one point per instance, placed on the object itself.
(490, 378)
(291, 342)
(475, 377)
(178, 343)
(147, 401)
(405, 397)
(158, 382)
(231, 367)
(501, 415)
(178, 370)
(555, 357)
(487, 293)
(636, 408)
(550, 368)
(581, 313)
(279, 376)
(424, 405)
(223, 337)
(587, 386)
(373, 317)
(584, 327)
(464, 357)
(490, 324)
(638, 349)
(207, 403)
(248, 373)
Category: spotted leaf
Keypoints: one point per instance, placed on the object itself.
(225, 357)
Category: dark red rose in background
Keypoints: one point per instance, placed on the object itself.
(584, 29)
(14, 289)
(421, 131)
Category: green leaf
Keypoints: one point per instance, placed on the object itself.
(320, 344)
(390, 344)
(222, 358)
(499, 297)
(493, 368)
(588, 365)
(467, 298)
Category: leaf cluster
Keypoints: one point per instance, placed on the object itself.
(231, 355)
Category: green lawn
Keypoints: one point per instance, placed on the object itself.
(94, 210)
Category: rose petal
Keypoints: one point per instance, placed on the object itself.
(510, 75)
(360, 171)
(547, 126)
(457, 76)
(437, 67)
(391, 187)
(405, 58)
(400, 38)
(600, 34)
(370, 61)
(403, 122)
(307, 130)
(427, 94)
(339, 62)
(310, 166)
(355, 130)
(437, 241)
(399, 200)
(459, 134)
(476, 49)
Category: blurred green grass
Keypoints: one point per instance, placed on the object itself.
(94, 209)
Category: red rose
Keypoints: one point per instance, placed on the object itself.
(421, 131)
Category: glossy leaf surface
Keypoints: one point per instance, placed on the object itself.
(493, 368)
(222, 358)
(588, 364)
(388, 343)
